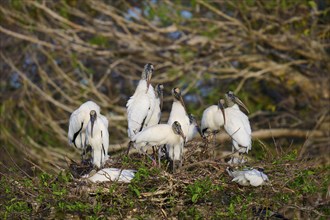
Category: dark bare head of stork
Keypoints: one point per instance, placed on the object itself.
(177, 129)
(221, 106)
(192, 121)
(232, 99)
(147, 73)
(92, 115)
(176, 92)
(159, 94)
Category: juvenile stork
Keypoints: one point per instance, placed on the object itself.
(237, 124)
(97, 136)
(78, 123)
(141, 104)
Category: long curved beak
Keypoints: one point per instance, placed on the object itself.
(200, 131)
(92, 126)
(149, 79)
(161, 99)
(239, 102)
(182, 102)
(222, 108)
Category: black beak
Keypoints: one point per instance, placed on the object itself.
(92, 128)
(222, 108)
(240, 103)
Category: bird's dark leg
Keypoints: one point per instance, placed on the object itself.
(214, 139)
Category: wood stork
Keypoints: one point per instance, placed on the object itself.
(246, 177)
(97, 136)
(237, 124)
(193, 128)
(112, 174)
(178, 113)
(158, 135)
(213, 119)
(156, 114)
(78, 123)
(141, 104)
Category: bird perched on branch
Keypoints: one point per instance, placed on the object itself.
(158, 135)
(141, 104)
(97, 136)
(246, 177)
(237, 124)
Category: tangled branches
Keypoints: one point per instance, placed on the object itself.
(57, 54)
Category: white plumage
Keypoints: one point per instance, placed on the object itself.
(212, 119)
(193, 128)
(113, 174)
(237, 124)
(158, 135)
(248, 177)
(141, 105)
(178, 113)
(158, 104)
(78, 123)
(97, 136)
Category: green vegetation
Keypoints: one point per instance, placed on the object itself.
(201, 192)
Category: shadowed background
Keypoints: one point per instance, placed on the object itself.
(55, 55)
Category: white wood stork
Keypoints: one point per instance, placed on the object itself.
(156, 114)
(78, 123)
(97, 136)
(213, 119)
(246, 177)
(158, 135)
(112, 174)
(178, 113)
(237, 124)
(141, 105)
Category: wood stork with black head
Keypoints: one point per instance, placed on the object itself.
(158, 135)
(97, 136)
(78, 123)
(246, 177)
(212, 120)
(141, 104)
(237, 124)
(156, 114)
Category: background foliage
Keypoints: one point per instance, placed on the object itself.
(55, 55)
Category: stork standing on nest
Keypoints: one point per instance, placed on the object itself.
(237, 125)
(213, 119)
(97, 136)
(179, 114)
(78, 124)
(141, 104)
(158, 135)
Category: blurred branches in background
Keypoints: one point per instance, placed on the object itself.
(56, 55)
